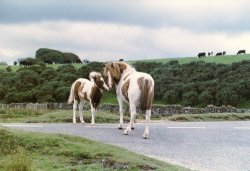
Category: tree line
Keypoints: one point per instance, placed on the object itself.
(50, 56)
(191, 84)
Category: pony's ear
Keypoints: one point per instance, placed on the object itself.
(104, 65)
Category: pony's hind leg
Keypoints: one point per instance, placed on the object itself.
(132, 118)
(146, 132)
(74, 110)
(81, 112)
(121, 111)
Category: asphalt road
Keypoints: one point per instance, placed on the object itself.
(222, 146)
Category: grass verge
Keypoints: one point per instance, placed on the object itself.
(210, 117)
(58, 116)
(39, 151)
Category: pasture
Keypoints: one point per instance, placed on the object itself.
(226, 59)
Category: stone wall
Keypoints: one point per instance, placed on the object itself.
(162, 110)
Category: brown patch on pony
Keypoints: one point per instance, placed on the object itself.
(146, 98)
(85, 96)
(126, 77)
(125, 87)
(99, 83)
(77, 86)
(95, 96)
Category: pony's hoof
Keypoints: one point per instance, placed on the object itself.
(119, 127)
(126, 132)
(133, 128)
(145, 136)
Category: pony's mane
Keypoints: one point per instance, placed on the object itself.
(116, 69)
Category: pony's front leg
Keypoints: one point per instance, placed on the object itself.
(74, 110)
(81, 112)
(132, 118)
(121, 111)
(146, 132)
(93, 115)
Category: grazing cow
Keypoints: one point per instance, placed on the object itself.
(241, 52)
(218, 54)
(135, 88)
(201, 54)
(85, 90)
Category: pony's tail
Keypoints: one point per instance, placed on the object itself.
(72, 94)
(147, 94)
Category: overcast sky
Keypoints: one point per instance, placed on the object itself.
(105, 30)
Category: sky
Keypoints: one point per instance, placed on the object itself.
(108, 30)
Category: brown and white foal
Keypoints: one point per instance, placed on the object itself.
(87, 90)
(134, 87)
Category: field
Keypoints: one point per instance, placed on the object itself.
(227, 59)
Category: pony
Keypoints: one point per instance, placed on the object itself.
(135, 88)
(87, 90)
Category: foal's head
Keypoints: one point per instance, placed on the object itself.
(99, 81)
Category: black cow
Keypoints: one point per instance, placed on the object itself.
(48, 62)
(201, 54)
(241, 52)
(219, 54)
(120, 59)
(25, 63)
(224, 53)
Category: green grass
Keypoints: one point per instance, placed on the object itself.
(58, 116)
(210, 117)
(23, 151)
(227, 59)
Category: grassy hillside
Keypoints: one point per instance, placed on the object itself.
(227, 59)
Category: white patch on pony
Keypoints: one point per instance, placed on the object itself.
(109, 80)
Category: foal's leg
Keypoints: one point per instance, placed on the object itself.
(146, 132)
(81, 112)
(121, 111)
(93, 114)
(74, 110)
(132, 107)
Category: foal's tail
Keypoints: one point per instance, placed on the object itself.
(147, 94)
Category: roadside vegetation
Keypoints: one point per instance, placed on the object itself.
(210, 117)
(36, 151)
(55, 116)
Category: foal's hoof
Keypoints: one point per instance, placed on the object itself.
(133, 128)
(119, 127)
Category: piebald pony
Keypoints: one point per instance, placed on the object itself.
(136, 88)
(87, 90)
